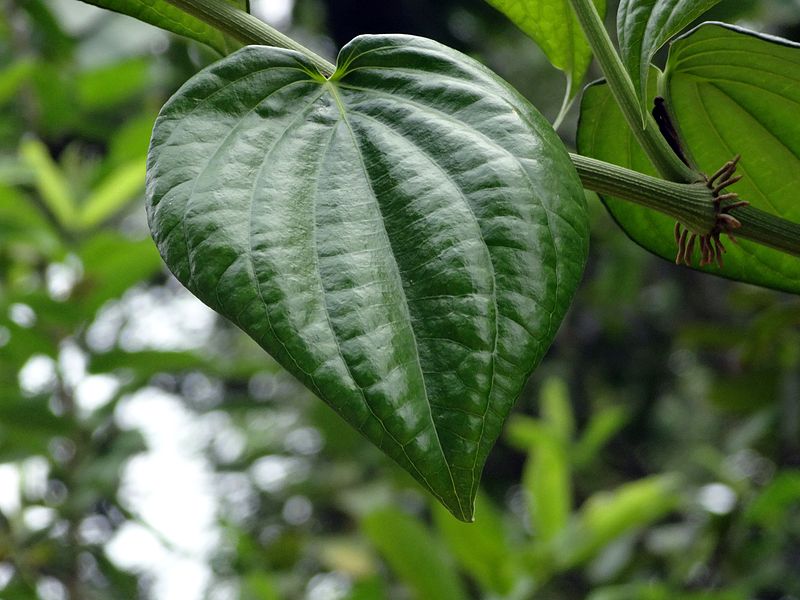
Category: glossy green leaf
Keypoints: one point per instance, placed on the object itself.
(166, 16)
(554, 27)
(643, 26)
(730, 92)
(414, 555)
(404, 238)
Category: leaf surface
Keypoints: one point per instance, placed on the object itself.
(644, 26)
(730, 92)
(404, 238)
(166, 16)
(554, 27)
(733, 91)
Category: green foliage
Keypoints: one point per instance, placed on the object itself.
(653, 454)
(482, 548)
(365, 242)
(644, 26)
(546, 478)
(510, 566)
(607, 516)
(50, 182)
(722, 104)
(552, 25)
(113, 192)
(734, 91)
(162, 14)
(411, 550)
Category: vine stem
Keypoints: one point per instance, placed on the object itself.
(246, 28)
(683, 199)
(689, 203)
(641, 123)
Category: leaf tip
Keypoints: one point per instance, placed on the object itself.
(461, 509)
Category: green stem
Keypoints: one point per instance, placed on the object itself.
(247, 28)
(688, 202)
(768, 230)
(642, 125)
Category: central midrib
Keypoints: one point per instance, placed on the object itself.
(344, 119)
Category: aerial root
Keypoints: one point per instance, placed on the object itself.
(711, 248)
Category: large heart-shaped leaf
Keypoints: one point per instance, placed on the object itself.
(643, 26)
(404, 237)
(730, 91)
(163, 14)
(554, 27)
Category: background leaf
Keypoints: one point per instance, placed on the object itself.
(554, 27)
(54, 189)
(404, 238)
(547, 475)
(482, 547)
(643, 26)
(113, 193)
(605, 516)
(163, 14)
(733, 91)
(111, 86)
(729, 92)
(547, 482)
(414, 554)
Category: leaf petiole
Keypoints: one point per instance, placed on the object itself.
(655, 146)
(248, 29)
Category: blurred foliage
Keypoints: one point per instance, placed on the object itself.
(654, 455)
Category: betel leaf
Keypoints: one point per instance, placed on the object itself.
(554, 27)
(644, 26)
(166, 16)
(404, 238)
(734, 91)
(729, 91)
